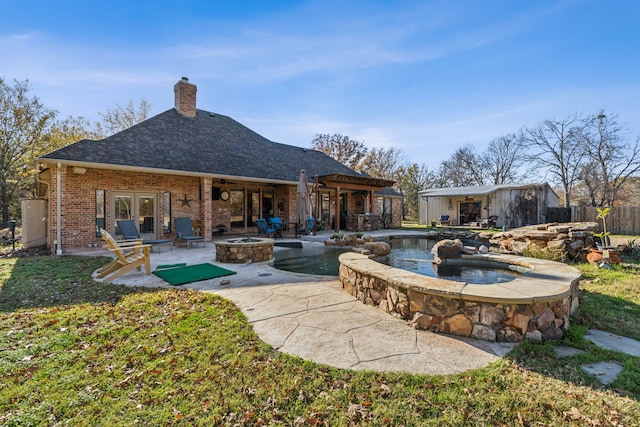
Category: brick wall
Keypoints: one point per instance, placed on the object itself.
(187, 200)
(79, 200)
(396, 212)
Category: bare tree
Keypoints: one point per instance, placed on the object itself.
(558, 149)
(119, 118)
(340, 147)
(613, 160)
(464, 168)
(384, 163)
(23, 123)
(504, 158)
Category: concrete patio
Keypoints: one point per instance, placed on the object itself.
(312, 317)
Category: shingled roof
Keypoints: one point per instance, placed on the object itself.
(209, 144)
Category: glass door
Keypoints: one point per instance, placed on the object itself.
(253, 207)
(122, 211)
(470, 212)
(141, 208)
(146, 215)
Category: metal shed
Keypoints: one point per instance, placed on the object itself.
(510, 205)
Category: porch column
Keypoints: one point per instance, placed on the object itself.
(206, 208)
(338, 204)
(371, 204)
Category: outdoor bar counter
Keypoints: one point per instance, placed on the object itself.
(362, 222)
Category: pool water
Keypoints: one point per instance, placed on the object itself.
(310, 260)
(415, 255)
(412, 254)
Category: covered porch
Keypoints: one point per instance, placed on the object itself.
(351, 203)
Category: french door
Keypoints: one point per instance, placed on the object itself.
(141, 208)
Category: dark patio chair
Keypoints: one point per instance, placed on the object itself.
(308, 229)
(276, 223)
(130, 232)
(263, 228)
(184, 228)
(491, 221)
(444, 220)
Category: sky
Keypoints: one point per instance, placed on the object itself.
(426, 77)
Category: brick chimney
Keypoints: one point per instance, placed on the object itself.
(185, 97)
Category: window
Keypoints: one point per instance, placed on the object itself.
(325, 211)
(99, 211)
(166, 216)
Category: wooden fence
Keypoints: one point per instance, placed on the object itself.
(621, 220)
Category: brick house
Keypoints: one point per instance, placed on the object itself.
(187, 162)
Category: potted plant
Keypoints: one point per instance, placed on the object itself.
(433, 222)
(604, 234)
(337, 236)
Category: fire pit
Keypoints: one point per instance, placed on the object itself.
(242, 250)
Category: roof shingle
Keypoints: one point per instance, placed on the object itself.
(209, 143)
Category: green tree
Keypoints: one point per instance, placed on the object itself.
(413, 179)
(24, 123)
(341, 148)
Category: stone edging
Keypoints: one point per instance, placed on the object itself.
(536, 305)
(236, 251)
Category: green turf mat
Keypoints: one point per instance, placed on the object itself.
(192, 273)
(165, 266)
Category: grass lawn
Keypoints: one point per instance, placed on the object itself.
(77, 352)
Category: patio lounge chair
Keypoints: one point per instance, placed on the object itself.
(263, 228)
(184, 228)
(444, 220)
(130, 231)
(130, 255)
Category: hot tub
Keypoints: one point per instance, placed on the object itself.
(535, 305)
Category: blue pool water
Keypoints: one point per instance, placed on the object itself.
(412, 254)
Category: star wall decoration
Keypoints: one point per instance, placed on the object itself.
(185, 201)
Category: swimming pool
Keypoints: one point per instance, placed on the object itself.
(321, 260)
(412, 254)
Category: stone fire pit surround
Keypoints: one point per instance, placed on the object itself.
(243, 250)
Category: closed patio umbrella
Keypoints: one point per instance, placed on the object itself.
(303, 199)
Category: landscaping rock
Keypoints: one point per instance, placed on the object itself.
(569, 237)
(447, 249)
(378, 248)
(508, 334)
(482, 332)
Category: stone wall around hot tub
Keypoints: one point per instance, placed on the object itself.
(443, 308)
